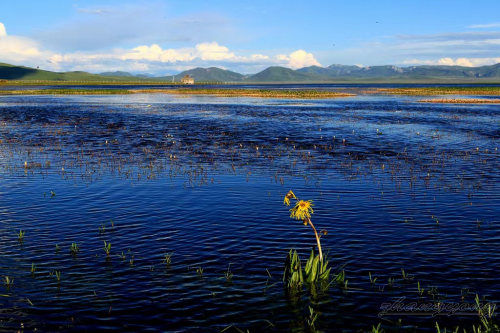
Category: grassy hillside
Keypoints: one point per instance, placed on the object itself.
(212, 74)
(282, 74)
(312, 74)
(11, 72)
(117, 73)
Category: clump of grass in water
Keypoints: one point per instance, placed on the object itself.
(20, 235)
(313, 316)
(168, 259)
(228, 274)
(74, 249)
(8, 282)
(102, 228)
(107, 248)
(33, 269)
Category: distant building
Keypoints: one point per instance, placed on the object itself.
(3, 81)
(187, 80)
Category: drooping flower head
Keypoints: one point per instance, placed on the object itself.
(302, 210)
(289, 196)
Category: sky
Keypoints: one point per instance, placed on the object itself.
(168, 36)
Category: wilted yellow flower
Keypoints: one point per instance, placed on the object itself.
(302, 210)
(289, 196)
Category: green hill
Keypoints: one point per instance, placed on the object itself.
(12, 72)
(283, 74)
(117, 73)
(333, 73)
(212, 74)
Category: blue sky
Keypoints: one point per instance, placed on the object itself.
(168, 36)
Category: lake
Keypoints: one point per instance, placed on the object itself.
(397, 185)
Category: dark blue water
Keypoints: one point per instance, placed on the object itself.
(397, 184)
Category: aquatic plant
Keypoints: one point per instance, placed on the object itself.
(107, 248)
(314, 270)
(168, 259)
(102, 228)
(74, 249)
(20, 235)
(302, 211)
(8, 282)
(33, 269)
(406, 276)
(313, 316)
(376, 329)
(199, 271)
(228, 274)
(420, 290)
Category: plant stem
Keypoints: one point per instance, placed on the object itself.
(317, 240)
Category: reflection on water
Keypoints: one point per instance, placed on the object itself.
(397, 184)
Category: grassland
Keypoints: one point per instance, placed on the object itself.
(213, 92)
(461, 101)
(66, 92)
(486, 91)
(250, 93)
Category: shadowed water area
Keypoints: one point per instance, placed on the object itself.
(397, 184)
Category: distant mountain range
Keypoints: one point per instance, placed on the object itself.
(312, 74)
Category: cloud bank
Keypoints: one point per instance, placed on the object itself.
(151, 58)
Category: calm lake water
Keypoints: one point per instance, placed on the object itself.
(397, 185)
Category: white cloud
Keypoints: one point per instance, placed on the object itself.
(152, 57)
(466, 62)
(298, 59)
(3, 31)
(479, 26)
(15, 49)
(259, 57)
(156, 53)
(213, 51)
